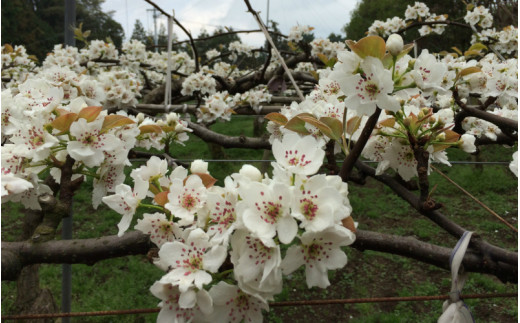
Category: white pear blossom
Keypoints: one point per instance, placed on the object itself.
(191, 261)
(222, 218)
(298, 155)
(160, 229)
(125, 202)
(230, 304)
(90, 142)
(372, 89)
(181, 308)
(185, 199)
(265, 211)
(467, 143)
(316, 204)
(256, 266)
(319, 252)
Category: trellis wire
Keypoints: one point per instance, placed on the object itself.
(476, 200)
(315, 302)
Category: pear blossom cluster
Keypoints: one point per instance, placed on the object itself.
(16, 64)
(199, 82)
(198, 225)
(297, 32)
(218, 105)
(326, 47)
(212, 53)
(408, 90)
(481, 16)
(238, 48)
(416, 12)
(221, 104)
(99, 49)
(41, 129)
(387, 27)
(68, 56)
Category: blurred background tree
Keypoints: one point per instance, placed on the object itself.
(38, 24)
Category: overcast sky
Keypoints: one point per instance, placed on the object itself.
(325, 16)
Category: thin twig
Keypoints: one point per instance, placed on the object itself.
(475, 199)
(277, 53)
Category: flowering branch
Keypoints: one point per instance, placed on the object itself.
(354, 154)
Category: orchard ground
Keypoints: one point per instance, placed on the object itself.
(123, 283)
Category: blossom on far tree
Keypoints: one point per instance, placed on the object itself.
(298, 155)
(319, 252)
(373, 88)
(190, 262)
(230, 304)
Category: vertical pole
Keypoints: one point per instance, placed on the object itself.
(267, 18)
(155, 38)
(66, 231)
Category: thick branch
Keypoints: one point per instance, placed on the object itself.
(492, 254)
(501, 122)
(228, 141)
(80, 251)
(431, 254)
(90, 251)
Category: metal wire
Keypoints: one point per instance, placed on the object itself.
(274, 304)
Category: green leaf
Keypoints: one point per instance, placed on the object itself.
(63, 122)
(277, 118)
(115, 120)
(297, 125)
(321, 126)
(353, 125)
(334, 124)
(467, 71)
(374, 46)
(90, 113)
(150, 128)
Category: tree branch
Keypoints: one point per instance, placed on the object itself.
(492, 254)
(228, 141)
(78, 251)
(16, 255)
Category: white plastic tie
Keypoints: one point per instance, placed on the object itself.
(454, 309)
(168, 84)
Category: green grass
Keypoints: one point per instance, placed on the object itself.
(124, 283)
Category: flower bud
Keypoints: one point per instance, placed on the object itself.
(199, 166)
(251, 172)
(394, 44)
(467, 143)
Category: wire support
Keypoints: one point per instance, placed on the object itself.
(273, 304)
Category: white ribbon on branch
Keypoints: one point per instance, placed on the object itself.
(455, 310)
